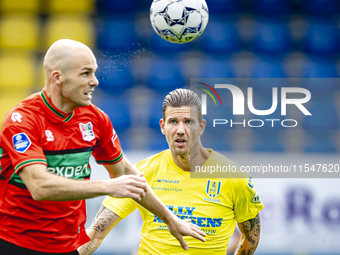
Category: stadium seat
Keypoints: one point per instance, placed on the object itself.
(272, 36)
(126, 138)
(319, 68)
(320, 145)
(271, 6)
(320, 127)
(19, 31)
(165, 75)
(321, 6)
(270, 134)
(323, 120)
(70, 6)
(165, 48)
(322, 38)
(19, 5)
(263, 71)
(119, 112)
(117, 6)
(155, 112)
(223, 6)
(266, 68)
(220, 37)
(266, 145)
(323, 123)
(76, 27)
(321, 89)
(216, 69)
(16, 70)
(114, 76)
(8, 100)
(118, 34)
(221, 144)
(220, 136)
(156, 141)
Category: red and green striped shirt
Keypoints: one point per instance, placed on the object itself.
(36, 132)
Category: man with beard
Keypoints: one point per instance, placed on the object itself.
(214, 205)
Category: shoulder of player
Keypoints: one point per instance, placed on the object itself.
(221, 158)
(28, 109)
(151, 163)
(224, 161)
(93, 110)
(237, 180)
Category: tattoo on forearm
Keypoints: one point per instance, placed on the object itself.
(243, 251)
(88, 248)
(98, 213)
(103, 219)
(251, 231)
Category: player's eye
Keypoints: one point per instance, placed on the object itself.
(188, 122)
(172, 122)
(86, 73)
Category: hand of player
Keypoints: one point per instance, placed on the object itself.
(179, 228)
(132, 186)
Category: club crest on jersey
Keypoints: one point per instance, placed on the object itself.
(21, 142)
(87, 131)
(213, 188)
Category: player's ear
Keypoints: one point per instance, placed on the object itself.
(202, 126)
(161, 123)
(57, 77)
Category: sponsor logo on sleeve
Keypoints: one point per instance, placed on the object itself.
(256, 198)
(16, 117)
(21, 142)
(87, 131)
(114, 137)
(250, 183)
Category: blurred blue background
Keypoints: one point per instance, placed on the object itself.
(243, 39)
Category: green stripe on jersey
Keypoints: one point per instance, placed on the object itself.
(69, 117)
(16, 178)
(70, 165)
(29, 162)
(50, 106)
(1, 153)
(110, 161)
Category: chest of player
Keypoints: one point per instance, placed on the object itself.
(202, 200)
(76, 133)
(68, 146)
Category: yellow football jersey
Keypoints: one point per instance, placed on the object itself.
(213, 204)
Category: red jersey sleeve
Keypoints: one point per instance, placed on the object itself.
(20, 138)
(108, 150)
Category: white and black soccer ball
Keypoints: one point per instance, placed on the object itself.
(179, 21)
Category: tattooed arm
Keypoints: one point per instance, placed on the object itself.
(250, 237)
(104, 221)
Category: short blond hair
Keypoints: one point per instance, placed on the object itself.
(182, 97)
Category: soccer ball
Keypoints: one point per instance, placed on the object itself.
(179, 21)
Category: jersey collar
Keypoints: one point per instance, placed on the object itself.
(56, 112)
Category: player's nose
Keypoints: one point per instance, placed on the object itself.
(94, 81)
(180, 129)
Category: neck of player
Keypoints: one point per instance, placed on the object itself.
(54, 94)
(188, 162)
